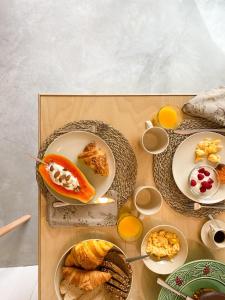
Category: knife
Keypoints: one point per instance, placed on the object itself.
(190, 131)
(100, 200)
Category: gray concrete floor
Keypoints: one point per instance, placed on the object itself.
(90, 46)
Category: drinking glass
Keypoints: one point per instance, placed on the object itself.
(129, 226)
(168, 117)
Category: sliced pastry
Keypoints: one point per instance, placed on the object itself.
(85, 280)
(95, 158)
(110, 266)
(120, 283)
(118, 259)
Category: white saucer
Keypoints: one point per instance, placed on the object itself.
(205, 234)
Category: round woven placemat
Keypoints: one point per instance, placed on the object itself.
(162, 164)
(126, 163)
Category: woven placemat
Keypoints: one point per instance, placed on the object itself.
(124, 181)
(162, 164)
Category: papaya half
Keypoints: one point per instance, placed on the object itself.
(86, 190)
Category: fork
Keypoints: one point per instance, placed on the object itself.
(197, 206)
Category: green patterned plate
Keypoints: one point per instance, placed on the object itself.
(194, 275)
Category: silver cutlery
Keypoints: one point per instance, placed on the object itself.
(198, 206)
(100, 200)
(60, 204)
(132, 259)
(168, 287)
(190, 131)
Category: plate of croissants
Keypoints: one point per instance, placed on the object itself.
(94, 160)
(93, 269)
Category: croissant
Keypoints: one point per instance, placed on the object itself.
(85, 280)
(95, 158)
(88, 254)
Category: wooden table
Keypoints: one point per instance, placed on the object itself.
(127, 114)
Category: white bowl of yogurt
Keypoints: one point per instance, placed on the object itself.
(203, 181)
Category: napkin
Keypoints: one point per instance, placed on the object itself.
(208, 105)
(82, 215)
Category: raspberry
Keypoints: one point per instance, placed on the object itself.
(193, 182)
(202, 189)
(209, 186)
(207, 173)
(205, 184)
(210, 180)
(200, 176)
(202, 170)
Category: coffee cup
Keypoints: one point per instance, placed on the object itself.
(217, 236)
(147, 200)
(154, 139)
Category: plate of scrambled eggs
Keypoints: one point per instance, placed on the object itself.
(167, 249)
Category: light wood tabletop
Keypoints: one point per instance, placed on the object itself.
(127, 114)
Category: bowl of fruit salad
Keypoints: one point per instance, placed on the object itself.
(203, 181)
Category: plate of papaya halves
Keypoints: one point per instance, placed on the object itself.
(78, 167)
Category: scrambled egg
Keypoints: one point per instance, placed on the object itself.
(163, 244)
(208, 148)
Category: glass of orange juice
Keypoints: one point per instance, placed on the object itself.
(168, 117)
(129, 227)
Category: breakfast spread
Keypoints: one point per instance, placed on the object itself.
(94, 267)
(203, 181)
(221, 173)
(95, 158)
(64, 177)
(163, 244)
(208, 148)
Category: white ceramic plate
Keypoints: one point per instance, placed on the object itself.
(166, 266)
(58, 273)
(70, 145)
(183, 163)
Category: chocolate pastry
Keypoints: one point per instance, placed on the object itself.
(111, 266)
(120, 270)
(116, 276)
(116, 292)
(117, 284)
(118, 259)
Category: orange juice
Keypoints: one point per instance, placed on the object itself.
(129, 228)
(169, 117)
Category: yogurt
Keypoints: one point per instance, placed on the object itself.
(61, 176)
(203, 181)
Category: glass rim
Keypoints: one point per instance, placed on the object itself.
(134, 239)
(178, 111)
